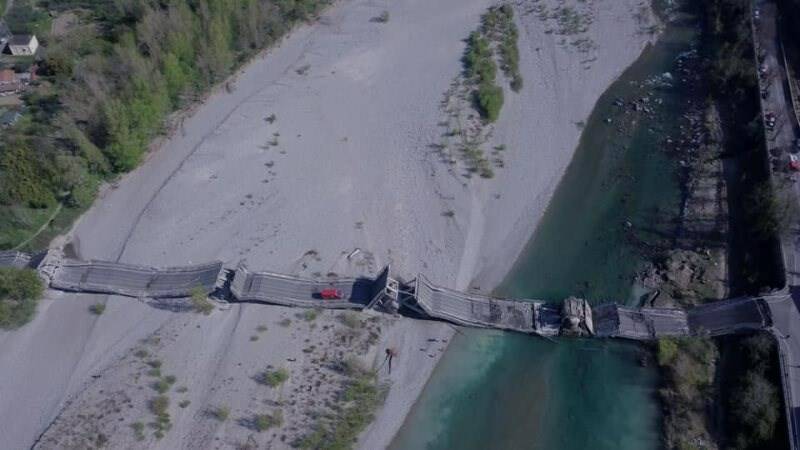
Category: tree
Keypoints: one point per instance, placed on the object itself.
(20, 290)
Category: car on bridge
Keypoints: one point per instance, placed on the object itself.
(331, 294)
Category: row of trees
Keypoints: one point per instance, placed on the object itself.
(109, 84)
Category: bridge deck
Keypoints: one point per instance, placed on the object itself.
(612, 320)
(476, 310)
(132, 280)
(279, 289)
(729, 316)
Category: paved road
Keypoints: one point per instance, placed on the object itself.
(780, 141)
(294, 291)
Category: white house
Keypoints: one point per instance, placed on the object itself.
(23, 44)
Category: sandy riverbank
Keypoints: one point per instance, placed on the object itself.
(346, 163)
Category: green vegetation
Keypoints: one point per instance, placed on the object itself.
(480, 70)
(360, 398)
(687, 390)
(159, 407)
(272, 378)
(771, 212)
(106, 88)
(200, 302)
(754, 401)
(309, 315)
(20, 291)
(498, 22)
(97, 309)
(221, 413)
(350, 319)
(164, 384)
(138, 430)
(263, 422)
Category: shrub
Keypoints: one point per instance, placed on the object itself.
(97, 309)
(490, 100)
(755, 409)
(200, 302)
(381, 18)
(20, 290)
(667, 349)
(138, 430)
(309, 315)
(184, 403)
(263, 422)
(159, 405)
(350, 319)
(272, 378)
(221, 413)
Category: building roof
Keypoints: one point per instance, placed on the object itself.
(20, 39)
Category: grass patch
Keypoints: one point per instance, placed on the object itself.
(159, 407)
(350, 319)
(20, 291)
(272, 378)
(138, 430)
(263, 422)
(220, 413)
(97, 309)
(200, 302)
(309, 315)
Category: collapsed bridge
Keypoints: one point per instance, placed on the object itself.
(573, 317)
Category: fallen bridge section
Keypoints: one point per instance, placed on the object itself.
(134, 281)
(485, 312)
(612, 320)
(287, 290)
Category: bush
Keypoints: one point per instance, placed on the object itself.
(200, 302)
(272, 378)
(220, 413)
(263, 422)
(667, 350)
(490, 101)
(20, 291)
(97, 309)
(755, 410)
(159, 405)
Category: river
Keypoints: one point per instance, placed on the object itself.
(616, 202)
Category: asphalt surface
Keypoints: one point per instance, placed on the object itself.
(474, 310)
(294, 291)
(135, 281)
(781, 140)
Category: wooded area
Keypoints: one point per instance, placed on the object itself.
(108, 85)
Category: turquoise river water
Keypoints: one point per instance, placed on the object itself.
(496, 390)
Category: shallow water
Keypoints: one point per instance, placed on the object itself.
(498, 390)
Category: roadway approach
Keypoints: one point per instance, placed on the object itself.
(781, 137)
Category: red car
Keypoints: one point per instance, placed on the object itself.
(331, 294)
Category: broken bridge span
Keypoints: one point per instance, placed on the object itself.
(426, 299)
